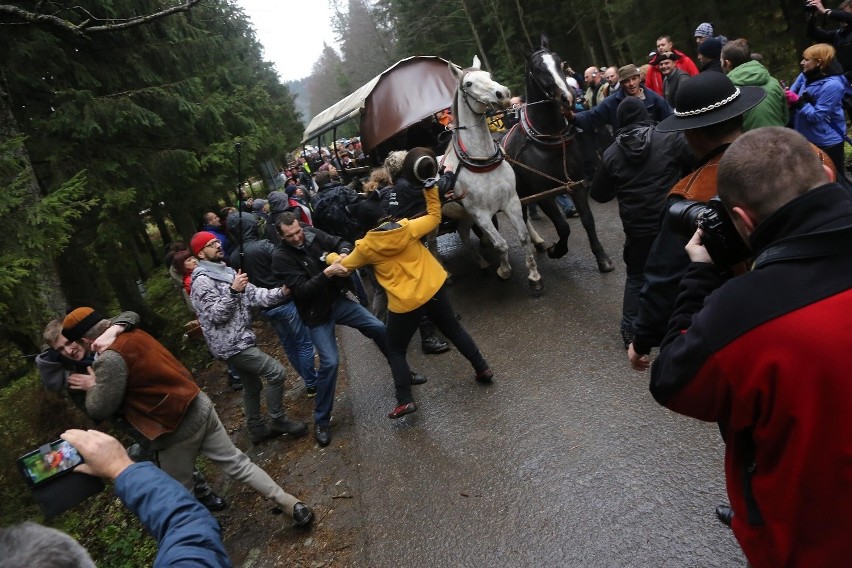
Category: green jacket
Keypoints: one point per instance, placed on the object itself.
(772, 110)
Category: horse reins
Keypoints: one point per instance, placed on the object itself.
(563, 140)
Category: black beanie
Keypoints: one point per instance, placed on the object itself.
(711, 48)
(631, 111)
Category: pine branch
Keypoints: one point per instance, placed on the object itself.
(87, 26)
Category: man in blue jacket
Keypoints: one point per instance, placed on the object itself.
(631, 86)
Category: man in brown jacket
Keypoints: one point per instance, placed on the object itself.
(140, 379)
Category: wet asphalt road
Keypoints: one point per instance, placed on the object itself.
(565, 460)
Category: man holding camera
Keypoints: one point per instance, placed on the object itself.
(186, 533)
(764, 354)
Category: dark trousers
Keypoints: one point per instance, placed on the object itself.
(636, 251)
(401, 328)
(836, 154)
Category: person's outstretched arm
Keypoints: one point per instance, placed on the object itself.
(186, 532)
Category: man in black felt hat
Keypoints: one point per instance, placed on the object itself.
(709, 112)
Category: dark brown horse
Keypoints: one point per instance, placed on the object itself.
(546, 152)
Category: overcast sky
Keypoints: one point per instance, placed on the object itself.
(292, 32)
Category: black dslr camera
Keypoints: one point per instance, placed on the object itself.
(719, 236)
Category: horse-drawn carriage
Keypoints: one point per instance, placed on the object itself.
(397, 111)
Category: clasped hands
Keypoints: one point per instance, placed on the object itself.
(336, 269)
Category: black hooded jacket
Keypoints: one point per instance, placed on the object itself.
(257, 253)
(640, 168)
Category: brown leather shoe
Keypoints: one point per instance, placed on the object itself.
(485, 376)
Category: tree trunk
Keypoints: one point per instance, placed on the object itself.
(142, 232)
(605, 40)
(498, 21)
(47, 276)
(519, 9)
(157, 215)
(479, 46)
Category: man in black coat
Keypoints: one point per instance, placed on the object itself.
(299, 262)
(639, 169)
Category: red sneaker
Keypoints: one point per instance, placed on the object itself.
(402, 410)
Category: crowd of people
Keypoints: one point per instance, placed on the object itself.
(734, 346)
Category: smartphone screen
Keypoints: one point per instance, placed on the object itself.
(49, 461)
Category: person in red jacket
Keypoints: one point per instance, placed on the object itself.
(654, 79)
(764, 354)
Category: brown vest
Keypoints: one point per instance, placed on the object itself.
(700, 185)
(159, 388)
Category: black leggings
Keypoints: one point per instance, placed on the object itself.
(401, 328)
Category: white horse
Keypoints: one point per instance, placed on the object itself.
(485, 183)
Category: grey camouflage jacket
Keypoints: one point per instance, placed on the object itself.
(225, 318)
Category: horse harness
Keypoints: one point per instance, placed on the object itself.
(552, 142)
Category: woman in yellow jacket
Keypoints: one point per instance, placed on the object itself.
(413, 279)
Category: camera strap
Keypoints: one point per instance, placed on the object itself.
(803, 247)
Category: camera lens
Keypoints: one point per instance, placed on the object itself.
(684, 215)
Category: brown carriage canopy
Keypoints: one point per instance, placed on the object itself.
(401, 96)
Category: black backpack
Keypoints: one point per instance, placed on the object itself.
(330, 213)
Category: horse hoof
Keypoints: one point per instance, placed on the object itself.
(539, 247)
(536, 287)
(504, 275)
(605, 265)
(556, 251)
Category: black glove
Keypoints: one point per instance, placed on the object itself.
(446, 183)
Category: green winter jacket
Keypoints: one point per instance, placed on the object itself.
(772, 110)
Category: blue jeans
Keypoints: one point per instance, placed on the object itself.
(295, 338)
(344, 312)
(565, 203)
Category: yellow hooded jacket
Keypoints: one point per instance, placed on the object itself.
(405, 268)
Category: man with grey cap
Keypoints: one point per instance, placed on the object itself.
(703, 32)
(631, 86)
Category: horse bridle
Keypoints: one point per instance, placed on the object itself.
(473, 163)
(535, 79)
(466, 95)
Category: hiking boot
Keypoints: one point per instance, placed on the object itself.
(286, 426)
(432, 345)
(213, 502)
(234, 381)
(302, 514)
(259, 434)
(484, 376)
(417, 378)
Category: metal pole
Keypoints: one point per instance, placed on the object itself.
(238, 147)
